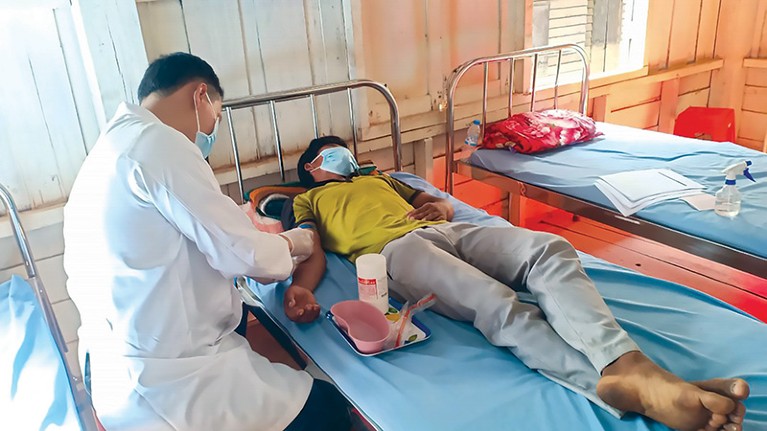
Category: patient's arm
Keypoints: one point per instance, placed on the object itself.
(431, 208)
(299, 302)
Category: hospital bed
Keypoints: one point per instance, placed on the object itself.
(565, 178)
(38, 388)
(456, 380)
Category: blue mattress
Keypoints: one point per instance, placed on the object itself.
(456, 380)
(35, 392)
(573, 170)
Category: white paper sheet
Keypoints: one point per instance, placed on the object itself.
(638, 185)
(701, 202)
(633, 191)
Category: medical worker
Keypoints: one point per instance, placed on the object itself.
(151, 250)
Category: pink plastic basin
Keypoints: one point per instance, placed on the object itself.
(364, 323)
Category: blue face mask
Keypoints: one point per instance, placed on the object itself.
(203, 141)
(338, 160)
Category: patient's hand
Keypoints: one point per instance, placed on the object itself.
(300, 304)
(431, 211)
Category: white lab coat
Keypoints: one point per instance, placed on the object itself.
(151, 248)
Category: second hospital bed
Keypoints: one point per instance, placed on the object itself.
(457, 380)
(565, 178)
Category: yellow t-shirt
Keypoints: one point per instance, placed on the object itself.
(360, 215)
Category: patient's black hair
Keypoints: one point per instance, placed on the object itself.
(311, 153)
(169, 72)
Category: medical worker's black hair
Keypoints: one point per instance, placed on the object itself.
(311, 153)
(169, 72)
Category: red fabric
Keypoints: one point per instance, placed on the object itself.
(533, 132)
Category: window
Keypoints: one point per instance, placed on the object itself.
(611, 31)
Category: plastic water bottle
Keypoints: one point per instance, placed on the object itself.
(372, 281)
(472, 137)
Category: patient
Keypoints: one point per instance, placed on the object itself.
(570, 337)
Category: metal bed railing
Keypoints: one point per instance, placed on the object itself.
(82, 399)
(271, 99)
(511, 58)
(707, 249)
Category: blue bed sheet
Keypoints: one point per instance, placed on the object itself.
(573, 170)
(35, 392)
(456, 380)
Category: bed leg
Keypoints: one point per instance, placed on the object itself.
(424, 159)
(515, 209)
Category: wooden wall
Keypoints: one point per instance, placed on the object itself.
(67, 65)
(679, 33)
(742, 83)
(258, 47)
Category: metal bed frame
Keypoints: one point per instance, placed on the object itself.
(710, 250)
(82, 400)
(271, 99)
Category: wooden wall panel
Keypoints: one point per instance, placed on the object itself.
(163, 27)
(734, 43)
(684, 32)
(694, 98)
(742, 33)
(709, 18)
(659, 24)
(258, 47)
(396, 47)
(754, 125)
(217, 37)
(42, 144)
(679, 32)
(755, 99)
(633, 95)
(695, 82)
(756, 77)
(467, 44)
(640, 116)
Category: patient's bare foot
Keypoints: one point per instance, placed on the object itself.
(634, 383)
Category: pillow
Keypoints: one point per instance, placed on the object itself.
(262, 223)
(276, 202)
(534, 132)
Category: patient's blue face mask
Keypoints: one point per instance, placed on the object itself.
(338, 160)
(202, 140)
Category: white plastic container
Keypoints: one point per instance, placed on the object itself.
(372, 282)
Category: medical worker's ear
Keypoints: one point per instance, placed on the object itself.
(199, 94)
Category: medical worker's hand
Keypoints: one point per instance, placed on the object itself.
(431, 211)
(300, 304)
(301, 243)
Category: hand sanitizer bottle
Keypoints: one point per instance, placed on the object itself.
(728, 198)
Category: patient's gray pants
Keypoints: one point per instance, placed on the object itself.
(477, 272)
